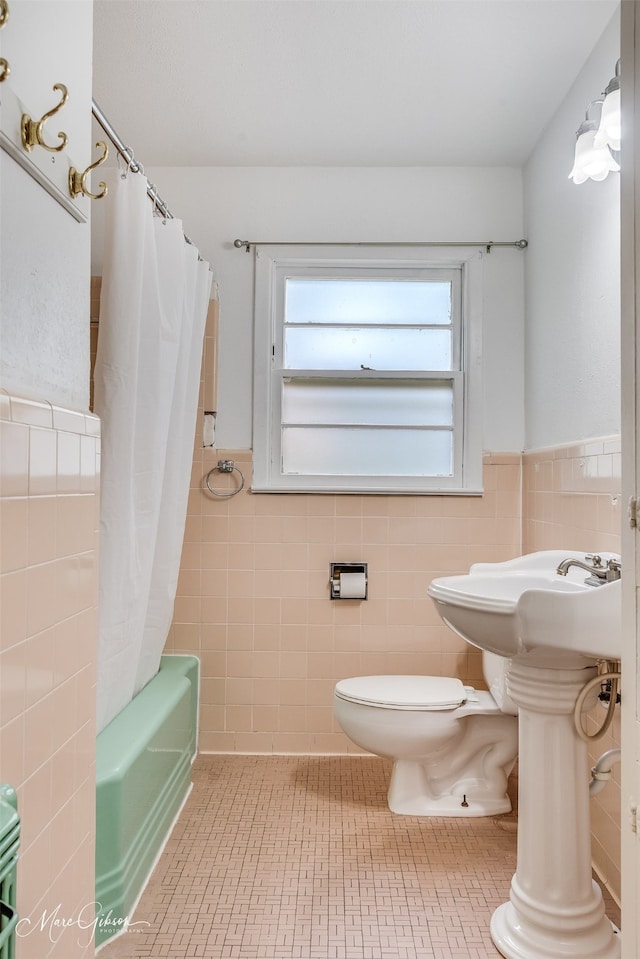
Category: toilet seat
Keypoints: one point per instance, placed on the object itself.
(403, 692)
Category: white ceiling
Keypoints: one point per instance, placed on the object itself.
(338, 82)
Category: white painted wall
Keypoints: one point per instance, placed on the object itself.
(572, 302)
(44, 252)
(219, 204)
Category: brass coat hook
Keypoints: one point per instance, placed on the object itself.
(32, 129)
(5, 69)
(78, 181)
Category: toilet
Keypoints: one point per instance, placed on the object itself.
(452, 746)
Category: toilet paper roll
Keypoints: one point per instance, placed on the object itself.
(353, 586)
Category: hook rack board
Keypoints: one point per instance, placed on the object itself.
(50, 170)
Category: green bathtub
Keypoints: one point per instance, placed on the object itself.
(143, 773)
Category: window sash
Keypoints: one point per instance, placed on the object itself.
(290, 270)
(361, 443)
(331, 480)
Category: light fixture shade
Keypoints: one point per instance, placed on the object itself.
(591, 162)
(610, 129)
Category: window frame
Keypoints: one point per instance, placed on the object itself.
(273, 265)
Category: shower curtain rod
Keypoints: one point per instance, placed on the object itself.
(487, 244)
(134, 165)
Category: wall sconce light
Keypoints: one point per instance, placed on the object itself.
(609, 131)
(593, 160)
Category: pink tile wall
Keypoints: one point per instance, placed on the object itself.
(49, 479)
(572, 499)
(253, 598)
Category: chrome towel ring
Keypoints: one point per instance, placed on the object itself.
(224, 466)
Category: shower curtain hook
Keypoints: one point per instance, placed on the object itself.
(127, 155)
(153, 196)
(161, 208)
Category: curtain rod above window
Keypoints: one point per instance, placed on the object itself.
(487, 244)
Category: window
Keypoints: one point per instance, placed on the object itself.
(367, 370)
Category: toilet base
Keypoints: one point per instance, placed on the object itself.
(409, 795)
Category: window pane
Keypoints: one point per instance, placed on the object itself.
(367, 452)
(316, 348)
(367, 301)
(381, 403)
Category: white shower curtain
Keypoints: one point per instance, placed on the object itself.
(153, 307)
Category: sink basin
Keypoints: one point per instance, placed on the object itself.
(524, 605)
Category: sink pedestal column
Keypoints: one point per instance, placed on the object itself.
(556, 909)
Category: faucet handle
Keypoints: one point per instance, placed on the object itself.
(614, 565)
(595, 559)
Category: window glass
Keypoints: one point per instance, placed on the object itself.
(367, 452)
(367, 301)
(323, 348)
(377, 403)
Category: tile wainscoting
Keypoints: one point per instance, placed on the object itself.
(49, 492)
(253, 598)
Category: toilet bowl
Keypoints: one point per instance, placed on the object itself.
(452, 746)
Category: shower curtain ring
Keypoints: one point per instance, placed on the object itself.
(127, 156)
(152, 192)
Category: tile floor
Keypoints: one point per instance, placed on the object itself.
(296, 857)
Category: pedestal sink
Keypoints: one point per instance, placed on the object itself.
(554, 629)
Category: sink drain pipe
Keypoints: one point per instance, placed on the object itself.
(601, 772)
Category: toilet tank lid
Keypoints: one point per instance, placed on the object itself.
(403, 692)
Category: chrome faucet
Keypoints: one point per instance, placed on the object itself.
(598, 573)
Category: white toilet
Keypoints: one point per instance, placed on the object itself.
(452, 746)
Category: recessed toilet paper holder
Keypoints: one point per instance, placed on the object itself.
(356, 576)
